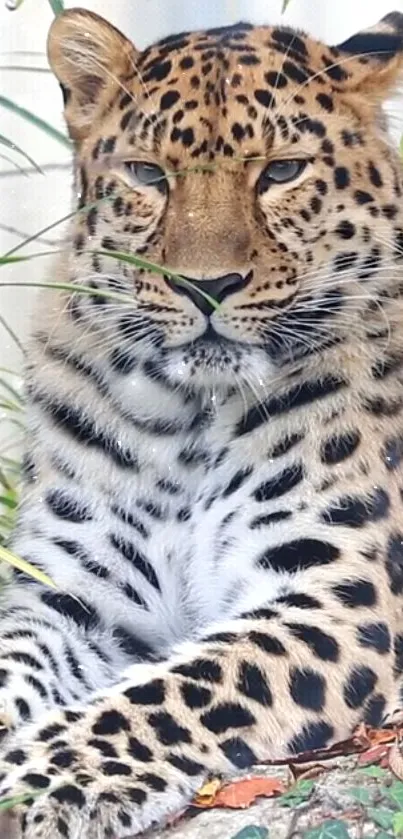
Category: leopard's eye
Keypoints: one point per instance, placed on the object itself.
(147, 174)
(280, 172)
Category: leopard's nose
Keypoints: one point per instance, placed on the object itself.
(217, 289)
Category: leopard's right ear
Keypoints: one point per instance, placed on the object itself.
(90, 58)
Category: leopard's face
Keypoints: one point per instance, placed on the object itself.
(251, 162)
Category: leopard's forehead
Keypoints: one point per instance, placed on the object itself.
(207, 92)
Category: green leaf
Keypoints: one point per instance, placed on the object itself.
(383, 835)
(361, 794)
(373, 771)
(8, 803)
(34, 120)
(395, 794)
(56, 6)
(4, 141)
(328, 830)
(11, 503)
(132, 259)
(26, 567)
(398, 824)
(299, 793)
(381, 816)
(252, 831)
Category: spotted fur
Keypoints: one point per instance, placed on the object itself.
(213, 471)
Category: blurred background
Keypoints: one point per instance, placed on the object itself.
(31, 200)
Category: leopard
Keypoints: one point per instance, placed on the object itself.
(213, 462)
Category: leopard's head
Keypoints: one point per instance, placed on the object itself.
(251, 161)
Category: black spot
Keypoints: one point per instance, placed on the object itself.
(227, 715)
(284, 445)
(103, 746)
(65, 507)
(51, 731)
(115, 767)
(137, 795)
(169, 99)
(355, 593)
(238, 753)
(131, 644)
(276, 79)
(167, 729)
(344, 260)
(339, 447)
(83, 430)
(374, 635)
(374, 710)
(110, 722)
(362, 197)
(300, 600)
(260, 614)
(267, 643)
(236, 482)
(79, 611)
(16, 756)
(307, 688)
(341, 177)
(296, 397)
(345, 229)
(253, 684)
(294, 73)
(325, 101)
(324, 646)
(185, 765)
(314, 735)
(394, 562)
(356, 512)
(359, 684)
(265, 98)
(301, 553)
(155, 782)
(200, 668)
(139, 562)
(127, 118)
(152, 693)
(139, 750)
(186, 62)
(374, 175)
(159, 71)
(280, 484)
(64, 758)
(23, 658)
(270, 518)
(69, 794)
(195, 696)
(36, 781)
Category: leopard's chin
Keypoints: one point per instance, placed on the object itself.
(221, 365)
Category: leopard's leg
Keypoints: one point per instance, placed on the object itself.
(296, 675)
(47, 662)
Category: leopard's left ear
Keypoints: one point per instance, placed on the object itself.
(372, 60)
(90, 59)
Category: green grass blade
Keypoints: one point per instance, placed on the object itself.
(139, 262)
(56, 6)
(20, 68)
(16, 561)
(11, 333)
(14, 163)
(35, 120)
(4, 141)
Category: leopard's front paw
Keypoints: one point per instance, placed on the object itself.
(72, 781)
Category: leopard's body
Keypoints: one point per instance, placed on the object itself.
(216, 492)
